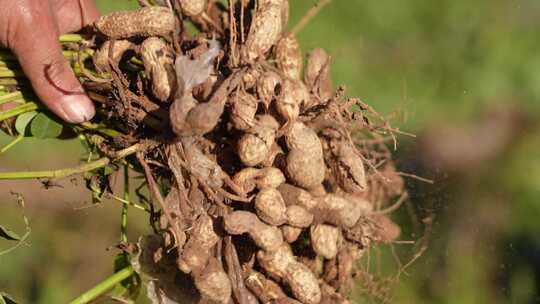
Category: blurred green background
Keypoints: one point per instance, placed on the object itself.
(462, 75)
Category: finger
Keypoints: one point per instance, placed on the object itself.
(72, 15)
(40, 56)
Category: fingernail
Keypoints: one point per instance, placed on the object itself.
(77, 109)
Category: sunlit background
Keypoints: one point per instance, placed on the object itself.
(464, 76)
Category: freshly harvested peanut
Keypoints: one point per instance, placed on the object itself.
(197, 249)
(297, 196)
(101, 57)
(282, 264)
(325, 240)
(145, 22)
(205, 167)
(338, 211)
(245, 179)
(193, 7)
(243, 110)
(305, 164)
(302, 137)
(289, 56)
(347, 167)
(290, 233)
(270, 177)
(213, 283)
(267, 237)
(275, 152)
(298, 216)
(203, 117)
(305, 170)
(265, 289)
(249, 178)
(256, 144)
(293, 95)
(330, 208)
(187, 116)
(317, 60)
(317, 74)
(252, 150)
(265, 29)
(288, 103)
(270, 207)
(158, 61)
(362, 204)
(266, 87)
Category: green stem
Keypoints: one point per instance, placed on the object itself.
(104, 286)
(71, 38)
(10, 81)
(12, 143)
(7, 73)
(123, 201)
(99, 129)
(10, 97)
(125, 207)
(26, 107)
(100, 163)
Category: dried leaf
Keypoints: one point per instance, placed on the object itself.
(191, 73)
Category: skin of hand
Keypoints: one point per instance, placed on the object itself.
(31, 28)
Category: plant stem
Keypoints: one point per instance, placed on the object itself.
(26, 107)
(7, 73)
(123, 201)
(104, 286)
(99, 129)
(10, 81)
(125, 207)
(100, 163)
(10, 97)
(71, 38)
(12, 143)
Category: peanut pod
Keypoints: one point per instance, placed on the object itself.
(281, 263)
(158, 61)
(145, 22)
(266, 237)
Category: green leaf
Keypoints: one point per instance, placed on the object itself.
(8, 234)
(22, 122)
(45, 126)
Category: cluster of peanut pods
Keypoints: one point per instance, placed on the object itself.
(269, 197)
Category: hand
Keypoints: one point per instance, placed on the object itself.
(31, 28)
